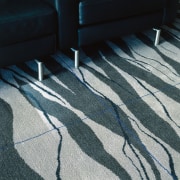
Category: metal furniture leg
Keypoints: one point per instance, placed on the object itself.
(158, 32)
(40, 70)
(76, 57)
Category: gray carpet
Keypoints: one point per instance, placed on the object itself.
(116, 117)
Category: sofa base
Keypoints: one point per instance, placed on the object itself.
(90, 34)
(27, 50)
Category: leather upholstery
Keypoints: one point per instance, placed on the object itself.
(28, 30)
(94, 11)
(25, 20)
(27, 50)
(88, 21)
(116, 29)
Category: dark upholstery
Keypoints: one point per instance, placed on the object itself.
(88, 21)
(28, 30)
(99, 32)
(94, 11)
(27, 50)
(25, 20)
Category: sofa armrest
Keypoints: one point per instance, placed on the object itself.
(68, 22)
(67, 13)
(170, 11)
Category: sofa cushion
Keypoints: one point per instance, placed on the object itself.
(94, 11)
(22, 20)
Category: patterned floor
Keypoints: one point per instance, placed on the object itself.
(116, 117)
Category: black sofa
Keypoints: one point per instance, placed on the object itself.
(88, 21)
(28, 30)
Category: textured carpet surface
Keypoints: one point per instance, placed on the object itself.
(116, 117)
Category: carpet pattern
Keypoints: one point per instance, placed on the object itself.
(116, 117)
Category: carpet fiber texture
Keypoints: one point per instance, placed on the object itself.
(116, 117)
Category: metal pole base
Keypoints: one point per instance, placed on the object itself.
(40, 70)
(158, 32)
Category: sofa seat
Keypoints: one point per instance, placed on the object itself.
(94, 11)
(24, 20)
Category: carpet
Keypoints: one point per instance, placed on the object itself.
(116, 117)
